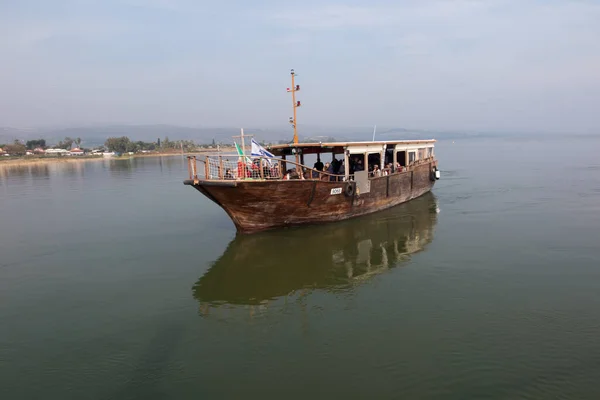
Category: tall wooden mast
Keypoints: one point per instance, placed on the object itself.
(295, 104)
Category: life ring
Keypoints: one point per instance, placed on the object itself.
(349, 189)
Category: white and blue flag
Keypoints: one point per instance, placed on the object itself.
(259, 151)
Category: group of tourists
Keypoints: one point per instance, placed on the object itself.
(387, 170)
(244, 170)
(333, 171)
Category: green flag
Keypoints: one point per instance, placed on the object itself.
(241, 153)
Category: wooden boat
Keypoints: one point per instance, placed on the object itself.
(270, 190)
(349, 253)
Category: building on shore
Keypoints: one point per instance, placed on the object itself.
(57, 152)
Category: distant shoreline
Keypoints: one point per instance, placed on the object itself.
(32, 160)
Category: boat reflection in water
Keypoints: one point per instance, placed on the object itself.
(255, 269)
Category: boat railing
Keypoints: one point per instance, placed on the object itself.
(266, 168)
(219, 168)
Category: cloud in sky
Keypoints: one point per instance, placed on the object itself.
(436, 64)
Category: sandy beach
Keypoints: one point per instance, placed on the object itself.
(22, 161)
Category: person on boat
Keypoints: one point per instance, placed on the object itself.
(318, 165)
(335, 163)
(228, 174)
(330, 170)
(342, 171)
(275, 172)
(359, 165)
(256, 168)
(301, 173)
(376, 171)
(241, 169)
(398, 167)
(352, 165)
(388, 169)
(265, 168)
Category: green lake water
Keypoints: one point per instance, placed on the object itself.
(119, 282)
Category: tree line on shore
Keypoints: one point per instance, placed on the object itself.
(124, 145)
(121, 144)
(19, 148)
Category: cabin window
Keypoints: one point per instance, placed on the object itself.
(389, 155)
(374, 159)
(421, 153)
(356, 162)
(430, 152)
(401, 158)
(412, 156)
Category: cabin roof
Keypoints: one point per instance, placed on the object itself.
(309, 148)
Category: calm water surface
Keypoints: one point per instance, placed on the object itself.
(119, 282)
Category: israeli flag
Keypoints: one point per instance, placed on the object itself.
(259, 151)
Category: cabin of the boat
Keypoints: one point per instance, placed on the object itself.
(386, 156)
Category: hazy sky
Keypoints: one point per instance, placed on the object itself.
(477, 65)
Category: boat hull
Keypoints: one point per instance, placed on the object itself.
(258, 205)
